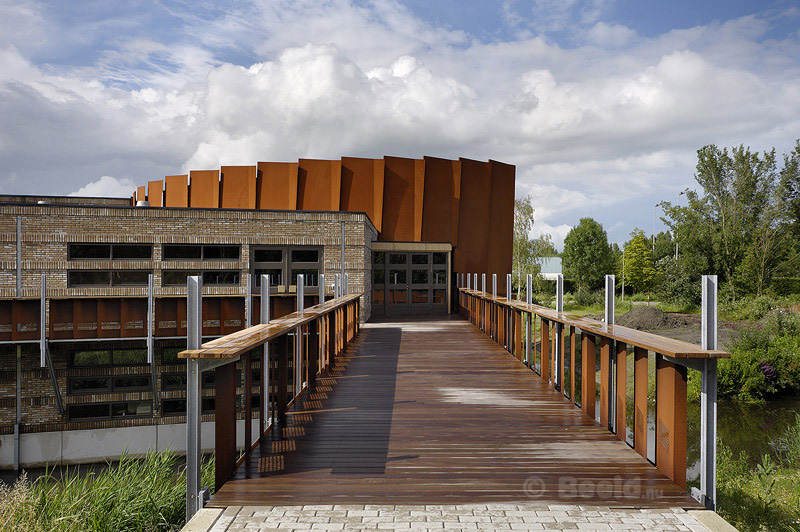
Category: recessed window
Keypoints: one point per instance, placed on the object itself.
(88, 411)
(131, 409)
(132, 251)
(130, 383)
(129, 357)
(89, 251)
(129, 278)
(220, 252)
(223, 277)
(182, 252)
(305, 255)
(169, 355)
(419, 276)
(275, 276)
(100, 411)
(419, 258)
(440, 258)
(173, 407)
(268, 255)
(173, 381)
(107, 278)
(176, 277)
(397, 276)
(90, 358)
(378, 276)
(208, 405)
(81, 385)
(439, 276)
(310, 277)
(378, 257)
(397, 258)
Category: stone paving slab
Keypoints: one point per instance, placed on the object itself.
(444, 518)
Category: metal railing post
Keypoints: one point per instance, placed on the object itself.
(509, 317)
(194, 330)
(43, 322)
(557, 377)
(610, 307)
(298, 358)
(708, 396)
(469, 282)
(321, 326)
(611, 352)
(346, 284)
(265, 384)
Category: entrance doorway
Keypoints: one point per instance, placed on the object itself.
(409, 282)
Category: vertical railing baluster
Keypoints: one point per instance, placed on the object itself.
(194, 332)
(708, 395)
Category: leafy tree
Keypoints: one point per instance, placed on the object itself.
(587, 257)
(526, 249)
(790, 200)
(664, 246)
(639, 272)
(732, 217)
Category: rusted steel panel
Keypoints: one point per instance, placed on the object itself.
(319, 185)
(605, 368)
(277, 186)
(472, 252)
(232, 314)
(85, 318)
(362, 187)
(501, 220)
(398, 199)
(671, 420)
(6, 322)
(640, 400)
(134, 317)
(141, 193)
(25, 320)
(238, 187)
(622, 382)
(211, 316)
(439, 200)
(419, 198)
(155, 192)
(176, 191)
(204, 189)
(109, 318)
(166, 317)
(588, 374)
(225, 426)
(61, 320)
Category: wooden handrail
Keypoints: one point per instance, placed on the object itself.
(502, 319)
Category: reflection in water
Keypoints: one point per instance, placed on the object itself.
(745, 428)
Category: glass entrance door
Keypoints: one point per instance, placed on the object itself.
(397, 288)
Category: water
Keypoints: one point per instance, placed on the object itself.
(748, 429)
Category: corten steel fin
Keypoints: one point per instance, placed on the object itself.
(238, 187)
(155, 192)
(204, 189)
(176, 191)
(277, 186)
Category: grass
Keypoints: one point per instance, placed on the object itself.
(136, 494)
(765, 497)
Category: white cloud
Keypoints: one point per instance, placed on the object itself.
(108, 187)
(603, 129)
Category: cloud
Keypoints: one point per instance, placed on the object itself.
(603, 125)
(107, 186)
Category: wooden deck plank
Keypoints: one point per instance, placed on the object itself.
(431, 411)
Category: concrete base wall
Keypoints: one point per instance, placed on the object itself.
(97, 445)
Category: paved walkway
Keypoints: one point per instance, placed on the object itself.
(441, 518)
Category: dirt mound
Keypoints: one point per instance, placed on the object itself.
(646, 318)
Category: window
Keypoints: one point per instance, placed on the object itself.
(305, 255)
(169, 355)
(378, 257)
(378, 276)
(268, 255)
(221, 277)
(90, 358)
(439, 276)
(106, 357)
(397, 258)
(440, 258)
(101, 411)
(310, 277)
(284, 264)
(110, 251)
(419, 276)
(173, 381)
(200, 252)
(81, 385)
(207, 405)
(77, 278)
(173, 407)
(419, 258)
(176, 277)
(131, 383)
(275, 276)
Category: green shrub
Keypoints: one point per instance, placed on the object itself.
(588, 298)
(147, 494)
(746, 308)
(764, 362)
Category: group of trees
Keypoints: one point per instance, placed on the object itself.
(743, 224)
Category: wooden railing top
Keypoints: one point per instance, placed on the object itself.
(238, 343)
(645, 340)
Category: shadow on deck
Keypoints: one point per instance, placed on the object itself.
(430, 410)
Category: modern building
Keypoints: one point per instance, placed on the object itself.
(550, 267)
(93, 290)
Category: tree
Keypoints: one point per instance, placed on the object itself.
(729, 221)
(639, 272)
(526, 249)
(664, 246)
(587, 256)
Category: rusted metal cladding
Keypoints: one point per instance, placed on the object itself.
(398, 199)
(440, 200)
(25, 320)
(362, 187)
(231, 314)
(176, 191)
(318, 185)
(501, 220)
(61, 320)
(166, 317)
(6, 323)
(134, 317)
(109, 318)
(472, 252)
(238, 187)
(141, 193)
(155, 192)
(204, 189)
(277, 186)
(85, 316)
(211, 316)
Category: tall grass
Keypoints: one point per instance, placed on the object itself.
(137, 494)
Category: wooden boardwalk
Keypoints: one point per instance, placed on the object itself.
(431, 411)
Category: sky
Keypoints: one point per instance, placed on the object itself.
(600, 104)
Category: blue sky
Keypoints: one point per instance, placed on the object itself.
(601, 104)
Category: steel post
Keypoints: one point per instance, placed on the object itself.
(529, 302)
(43, 322)
(264, 319)
(194, 330)
(559, 332)
(708, 396)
